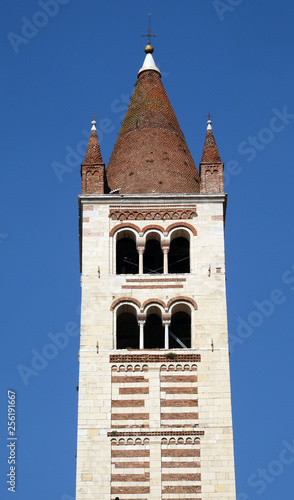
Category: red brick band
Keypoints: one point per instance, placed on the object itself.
(120, 478)
(134, 390)
(181, 489)
(180, 390)
(150, 287)
(179, 465)
(154, 358)
(126, 379)
(190, 452)
(179, 402)
(134, 465)
(181, 477)
(179, 416)
(178, 378)
(149, 280)
(132, 490)
(130, 453)
(130, 416)
(217, 217)
(123, 403)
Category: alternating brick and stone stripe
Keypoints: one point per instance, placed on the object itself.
(179, 407)
(129, 389)
(180, 468)
(130, 467)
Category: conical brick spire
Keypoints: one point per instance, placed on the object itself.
(93, 168)
(93, 153)
(210, 152)
(151, 154)
(211, 166)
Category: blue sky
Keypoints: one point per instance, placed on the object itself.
(232, 58)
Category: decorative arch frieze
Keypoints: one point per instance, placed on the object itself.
(180, 441)
(152, 213)
(177, 367)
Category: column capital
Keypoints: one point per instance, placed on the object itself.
(141, 318)
(165, 244)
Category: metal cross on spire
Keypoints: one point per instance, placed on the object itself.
(209, 116)
(149, 33)
(94, 116)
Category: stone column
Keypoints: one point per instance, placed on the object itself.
(141, 334)
(166, 334)
(141, 250)
(165, 249)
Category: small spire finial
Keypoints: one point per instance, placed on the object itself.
(149, 49)
(209, 127)
(93, 122)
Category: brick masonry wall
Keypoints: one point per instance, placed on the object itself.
(211, 176)
(176, 476)
(124, 410)
(93, 178)
(135, 464)
(176, 410)
(180, 466)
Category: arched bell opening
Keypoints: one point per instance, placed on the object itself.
(180, 327)
(127, 258)
(153, 256)
(179, 253)
(153, 329)
(127, 328)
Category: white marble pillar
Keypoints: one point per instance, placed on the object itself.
(166, 334)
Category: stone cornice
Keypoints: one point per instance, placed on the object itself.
(142, 199)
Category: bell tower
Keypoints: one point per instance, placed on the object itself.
(154, 415)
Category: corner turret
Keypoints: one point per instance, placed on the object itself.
(93, 168)
(211, 167)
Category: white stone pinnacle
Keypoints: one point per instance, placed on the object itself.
(209, 127)
(149, 64)
(93, 123)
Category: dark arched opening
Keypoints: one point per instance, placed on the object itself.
(153, 257)
(180, 330)
(127, 258)
(179, 256)
(127, 331)
(153, 332)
